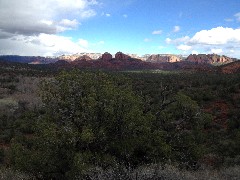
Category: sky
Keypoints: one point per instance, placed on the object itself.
(57, 27)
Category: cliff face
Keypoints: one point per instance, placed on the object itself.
(208, 58)
(106, 56)
(73, 57)
(83, 58)
(159, 58)
(121, 56)
(220, 59)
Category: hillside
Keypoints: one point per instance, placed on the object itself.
(230, 68)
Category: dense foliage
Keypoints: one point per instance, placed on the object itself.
(89, 120)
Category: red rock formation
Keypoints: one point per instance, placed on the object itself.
(106, 56)
(79, 55)
(200, 58)
(83, 58)
(173, 58)
(220, 59)
(210, 58)
(162, 58)
(121, 56)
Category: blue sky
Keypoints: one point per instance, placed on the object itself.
(55, 27)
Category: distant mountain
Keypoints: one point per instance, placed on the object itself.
(106, 61)
(209, 59)
(121, 61)
(125, 62)
(28, 59)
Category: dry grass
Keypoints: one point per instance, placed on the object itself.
(8, 174)
(149, 172)
(167, 172)
(25, 94)
(8, 105)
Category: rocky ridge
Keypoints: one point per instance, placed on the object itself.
(106, 56)
(209, 59)
(79, 55)
(162, 58)
(121, 61)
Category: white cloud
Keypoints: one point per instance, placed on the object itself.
(42, 45)
(216, 51)
(216, 36)
(157, 32)
(180, 40)
(101, 42)
(83, 42)
(71, 4)
(184, 47)
(125, 15)
(105, 14)
(87, 14)
(176, 29)
(237, 15)
(194, 52)
(69, 23)
(177, 41)
(47, 22)
(217, 40)
(168, 40)
(62, 29)
(66, 24)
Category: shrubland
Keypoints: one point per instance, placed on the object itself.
(120, 125)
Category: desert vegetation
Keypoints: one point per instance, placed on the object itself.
(79, 124)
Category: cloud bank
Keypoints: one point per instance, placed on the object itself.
(220, 40)
(26, 22)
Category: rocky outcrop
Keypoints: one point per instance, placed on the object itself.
(162, 58)
(73, 57)
(173, 58)
(220, 59)
(121, 56)
(83, 58)
(68, 57)
(208, 58)
(106, 56)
